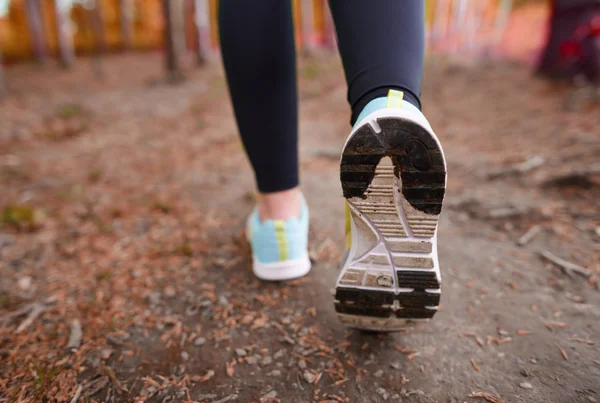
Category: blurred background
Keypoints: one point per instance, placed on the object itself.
(124, 189)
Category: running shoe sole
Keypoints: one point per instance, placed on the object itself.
(393, 175)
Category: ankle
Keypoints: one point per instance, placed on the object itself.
(280, 205)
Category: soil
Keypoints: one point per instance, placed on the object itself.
(124, 201)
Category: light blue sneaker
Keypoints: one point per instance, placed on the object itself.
(279, 247)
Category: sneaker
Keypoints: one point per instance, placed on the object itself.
(393, 177)
(279, 247)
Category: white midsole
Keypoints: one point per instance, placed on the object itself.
(280, 271)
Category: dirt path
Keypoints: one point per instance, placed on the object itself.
(145, 189)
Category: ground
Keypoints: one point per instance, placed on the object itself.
(124, 201)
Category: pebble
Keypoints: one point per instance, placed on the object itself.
(378, 373)
(396, 365)
(271, 395)
(252, 360)
(533, 361)
(241, 352)
(502, 332)
(25, 283)
(279, 354)
(199, 341)
(396, 397)
(309, 377)
(526, 385)
(154, 298)
(223, 301)
(185, 356)
(170, 291)
(383, 393)
(266, 360)
(275, 372)
(302, 364)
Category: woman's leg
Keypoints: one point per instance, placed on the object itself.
(382, 44)
(257, 44)
(392, 168)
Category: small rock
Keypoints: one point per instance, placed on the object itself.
(25, 283)
(383, 393)
(302, 364)
(154, 298)
(185, 356)
(271, 395)
(309, 377)
(396, 397)
(199, 341)
(266, 360)
(502, 332)
(378, 373)
(289, 340)
(106, 353)
(241, 352)
(526, 385)
(533, 361)
(223, 301)
(275, 372)
(170, 291)
(252, 360)
(524, 372)
(396, 365)
(279, 354)
(6, 240)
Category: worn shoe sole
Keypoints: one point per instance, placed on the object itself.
(393, 175)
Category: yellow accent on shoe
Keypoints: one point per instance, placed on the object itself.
(394, 99)
(348, 227)
(282, 242)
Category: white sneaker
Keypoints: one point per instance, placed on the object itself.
(393, 175)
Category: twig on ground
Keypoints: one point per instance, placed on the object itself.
(36, 310)
(566, 267)
(529, 235)
(75, 335)
(99, 384)
(520, 168)
(110, 374)
(562, 351)
(487, 396)
(77, 394)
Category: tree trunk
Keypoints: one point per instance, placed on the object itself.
(2, 80)
(99, 32)
(171, 59)
(566, 16)
(203, 44)
(64, 33)
(126, 22)
(36, 29)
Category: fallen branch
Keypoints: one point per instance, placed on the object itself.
(529, 235)
(567, 267)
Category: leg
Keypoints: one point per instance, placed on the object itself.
(382, 44)
(393, 171)
(257, 42)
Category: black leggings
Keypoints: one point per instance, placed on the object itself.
(382, 47)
